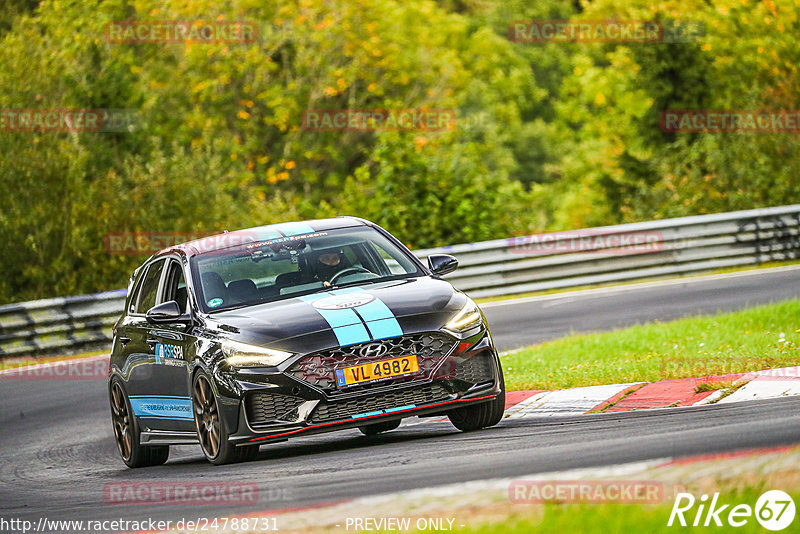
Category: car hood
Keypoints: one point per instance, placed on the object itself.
(355, 314)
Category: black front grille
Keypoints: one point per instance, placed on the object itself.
(475, 370)
(318, 368)
(268, 407)
(381, 401)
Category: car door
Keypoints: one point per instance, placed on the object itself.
(128, 339)
(173, 348)
(149, 398)
(132, 333)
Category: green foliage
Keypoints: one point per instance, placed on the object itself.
(626, 168)
(546, 137)
(434, 193)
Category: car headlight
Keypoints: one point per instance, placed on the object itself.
(467, 318)
(245, 355)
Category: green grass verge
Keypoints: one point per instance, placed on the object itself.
(748, 340)
(713, 386)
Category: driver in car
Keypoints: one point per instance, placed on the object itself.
(328, 264)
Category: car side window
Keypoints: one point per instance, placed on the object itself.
(137, 289)
(391, 263)
(175, 287)
(149, 290)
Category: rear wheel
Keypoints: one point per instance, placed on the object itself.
(211, 429)
(481, 415)
(377, 428)
(126, 433)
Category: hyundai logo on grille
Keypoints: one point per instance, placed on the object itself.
(373, 350)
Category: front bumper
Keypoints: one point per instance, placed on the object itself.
(465, 373)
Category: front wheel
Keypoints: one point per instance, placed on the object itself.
(481, 415)
(127, 434)
(211, 429)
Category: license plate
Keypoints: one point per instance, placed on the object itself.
(374, 371)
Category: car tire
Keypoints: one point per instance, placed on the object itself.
(377, 428)
(211, 430)
(481, 415)
(127, 433)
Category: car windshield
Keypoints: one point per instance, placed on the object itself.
(265, 271)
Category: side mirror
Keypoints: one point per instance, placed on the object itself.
(442, 263)
(166, 312)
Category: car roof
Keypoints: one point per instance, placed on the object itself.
(263, 233)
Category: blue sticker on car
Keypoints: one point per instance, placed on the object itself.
(340, 380)
(367, 414)
(162, 407)
(400, 408)
(169, 354)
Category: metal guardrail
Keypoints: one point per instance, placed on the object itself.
(63, 324)
(668, 247)
(652, 249)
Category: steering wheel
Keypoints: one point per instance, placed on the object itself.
(349, 270)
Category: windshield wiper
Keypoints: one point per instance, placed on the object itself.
(356, 283)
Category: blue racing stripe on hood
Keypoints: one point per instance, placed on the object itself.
(379, 319)
(384, 329)
(369, 322)
(346, 324)
(351, 335)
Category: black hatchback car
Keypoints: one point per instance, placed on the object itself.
(259, 335)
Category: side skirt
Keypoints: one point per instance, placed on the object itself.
(164, 437)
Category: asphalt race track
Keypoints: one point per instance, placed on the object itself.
(529, 321)
(57, 452)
